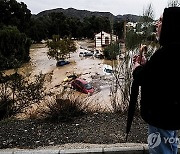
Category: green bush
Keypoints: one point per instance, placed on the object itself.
(111, 51)
(14, 48)
(18, 93)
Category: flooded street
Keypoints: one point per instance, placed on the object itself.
(40, 63)
(88, 68)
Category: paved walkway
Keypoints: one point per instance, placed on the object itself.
(110, 149)
(113, 150)
(81, 148)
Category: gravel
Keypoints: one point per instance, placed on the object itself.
(96, 128)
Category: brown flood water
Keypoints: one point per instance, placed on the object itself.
(89, 68)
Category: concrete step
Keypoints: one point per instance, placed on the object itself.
(110, 150)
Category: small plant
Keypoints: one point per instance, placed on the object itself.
(65, 110)
(5, 107)
(26, 91)
(6, 101)
(18, 93)
(66, 107)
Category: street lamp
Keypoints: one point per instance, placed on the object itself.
(58, 53)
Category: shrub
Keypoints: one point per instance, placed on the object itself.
(5, 99)
(111, 51)
(14, 48)
(18, 93)
(5, 105)
(66, 109)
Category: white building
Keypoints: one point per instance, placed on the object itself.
(103, 39)
(131, 24)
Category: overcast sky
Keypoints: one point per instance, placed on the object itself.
(116, 7)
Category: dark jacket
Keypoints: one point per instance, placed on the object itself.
(159, 79)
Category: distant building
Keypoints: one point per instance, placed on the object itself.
(103, 39)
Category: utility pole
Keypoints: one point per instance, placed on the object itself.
(126, 65)
(101, 38)
(111, 23)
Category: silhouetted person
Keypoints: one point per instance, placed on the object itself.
(159, 79)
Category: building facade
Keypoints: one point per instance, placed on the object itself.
(103, 39)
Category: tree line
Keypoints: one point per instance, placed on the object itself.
(58, 24)
(17, 14)
(19, 28)
(14, 42)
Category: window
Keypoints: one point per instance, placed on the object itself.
(106, 40)
(88, 86)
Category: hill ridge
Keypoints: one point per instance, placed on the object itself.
(81, 14)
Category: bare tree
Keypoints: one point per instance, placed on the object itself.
(173, 3)
(148, 13)
(121, 83)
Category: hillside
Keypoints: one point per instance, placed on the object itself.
(81, 14)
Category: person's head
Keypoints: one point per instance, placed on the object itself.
(169, 29)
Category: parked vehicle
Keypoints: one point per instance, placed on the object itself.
(62, 63)
(81, 54)
(98, 55)
(86, 54)
(82, 86)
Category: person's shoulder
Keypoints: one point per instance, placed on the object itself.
(157, 53)
(160, 50)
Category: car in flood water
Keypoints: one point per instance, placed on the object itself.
(70, 78)
(85, 54)
(62, 63)
(82, 86)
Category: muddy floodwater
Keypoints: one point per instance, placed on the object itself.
(88, 68)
